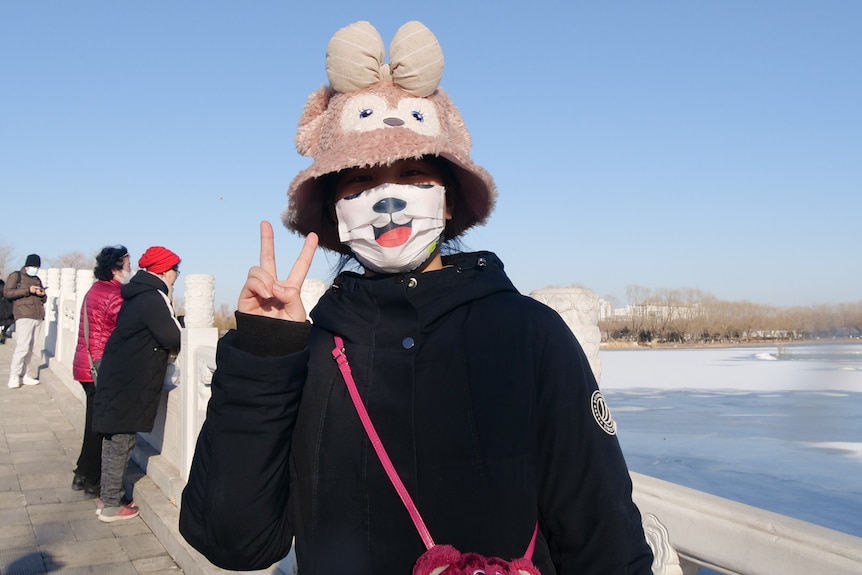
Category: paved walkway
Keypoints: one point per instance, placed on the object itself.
(45, 527)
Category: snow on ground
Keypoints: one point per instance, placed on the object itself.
(852, 449)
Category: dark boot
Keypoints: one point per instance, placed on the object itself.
(79, 482)
(92, 489)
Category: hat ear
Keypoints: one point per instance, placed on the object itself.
(311, 122)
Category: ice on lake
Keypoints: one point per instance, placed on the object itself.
(780, 429)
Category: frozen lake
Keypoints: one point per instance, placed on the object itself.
(779, 431)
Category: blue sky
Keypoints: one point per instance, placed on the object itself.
(701, 144)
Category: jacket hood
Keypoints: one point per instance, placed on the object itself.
(356, 304)
(143, 281)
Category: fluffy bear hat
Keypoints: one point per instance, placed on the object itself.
(373, 113)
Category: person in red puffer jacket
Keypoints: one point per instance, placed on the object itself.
(100, 308)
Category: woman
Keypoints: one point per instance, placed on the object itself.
(132, 372)
(98, 320)
(482, 397)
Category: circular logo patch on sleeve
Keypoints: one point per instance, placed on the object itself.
(602, 413)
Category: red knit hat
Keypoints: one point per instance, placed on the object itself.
(158, 260)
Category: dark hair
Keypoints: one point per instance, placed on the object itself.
(108, 260)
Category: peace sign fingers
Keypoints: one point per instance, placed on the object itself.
(264, 294)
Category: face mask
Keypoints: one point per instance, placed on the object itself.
(31, 271)
(392, 228)
(124, 276)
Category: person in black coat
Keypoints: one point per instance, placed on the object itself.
(132, 372)
(7, 317)
(482, 397)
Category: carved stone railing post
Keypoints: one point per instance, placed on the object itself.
(311, 291)
(199, 339)
(83, 282)
(49, 327)
(579, 308)
(665, 558)
(66, 316)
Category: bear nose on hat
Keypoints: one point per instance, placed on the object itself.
(393, 121)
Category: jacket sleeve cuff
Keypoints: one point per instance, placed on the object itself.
(266, 336)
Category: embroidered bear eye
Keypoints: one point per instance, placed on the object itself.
(418, 116)
(365, 113)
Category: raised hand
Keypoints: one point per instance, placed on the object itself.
(264, 294)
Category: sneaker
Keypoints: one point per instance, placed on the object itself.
(124, 501)
(27, 380)
(14, 383)
(123, 512)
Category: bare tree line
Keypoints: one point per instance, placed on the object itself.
(77, 260)
(661, 315)
(693, 316)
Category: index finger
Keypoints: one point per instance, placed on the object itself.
(267, 249)
(303, 262)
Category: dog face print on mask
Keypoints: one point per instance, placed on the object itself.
(392, 228)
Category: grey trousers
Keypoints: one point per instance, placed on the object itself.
(27, 330)
(116, 450)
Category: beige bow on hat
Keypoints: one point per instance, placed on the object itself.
(354, 59)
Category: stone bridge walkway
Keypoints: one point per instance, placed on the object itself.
(46, 527)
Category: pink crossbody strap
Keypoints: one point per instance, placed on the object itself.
(340, 357)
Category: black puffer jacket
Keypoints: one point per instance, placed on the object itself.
(7, 318)
(133, 367)
(483, 399)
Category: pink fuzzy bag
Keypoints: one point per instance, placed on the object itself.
(446, 560)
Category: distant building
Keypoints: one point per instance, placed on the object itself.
(649, 310)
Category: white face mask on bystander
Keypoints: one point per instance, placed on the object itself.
(392, 228)
(31, 271)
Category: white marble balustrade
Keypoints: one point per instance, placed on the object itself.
(687, 529)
